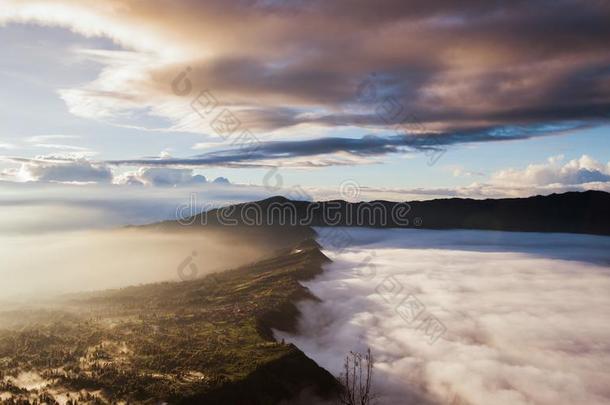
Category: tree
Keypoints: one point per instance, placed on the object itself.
(356, 379)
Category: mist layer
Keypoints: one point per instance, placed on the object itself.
(37, 265)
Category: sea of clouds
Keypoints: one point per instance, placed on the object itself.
(466, 317)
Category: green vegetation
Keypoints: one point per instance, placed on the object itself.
(205, 340)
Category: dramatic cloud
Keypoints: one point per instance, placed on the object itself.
(297, 153)
(526, 324)
(450, 67)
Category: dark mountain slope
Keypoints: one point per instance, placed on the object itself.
(573, 212)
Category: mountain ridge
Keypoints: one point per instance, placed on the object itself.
(571, 212)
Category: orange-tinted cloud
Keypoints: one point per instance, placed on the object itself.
(455, 66)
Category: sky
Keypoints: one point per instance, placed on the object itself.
(115, 101)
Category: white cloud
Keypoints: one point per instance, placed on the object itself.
(72, 167)
(459, 171)
(160, 176)
(61, 169)
(62, 147)
(575, 172)
(553, 176)
(52, 137)
(114, 95)
(525, 316)
(207, 145)
(165, 154)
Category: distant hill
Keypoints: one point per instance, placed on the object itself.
(572, 212)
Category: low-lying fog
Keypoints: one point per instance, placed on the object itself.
(59, 262)
(523, 317)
